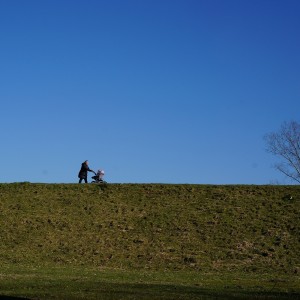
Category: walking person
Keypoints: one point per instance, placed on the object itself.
(82, 175)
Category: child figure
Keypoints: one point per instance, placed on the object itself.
(98, 178)
(100, 174)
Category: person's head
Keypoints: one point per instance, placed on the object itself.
(86, 162)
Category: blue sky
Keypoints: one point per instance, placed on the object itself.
(168, 91)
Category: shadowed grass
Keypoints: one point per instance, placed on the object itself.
(79, 283)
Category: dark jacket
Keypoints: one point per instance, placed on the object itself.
(83, 171)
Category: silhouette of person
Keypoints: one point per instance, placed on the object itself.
(82, 175)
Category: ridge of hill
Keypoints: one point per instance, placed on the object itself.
(211, 228)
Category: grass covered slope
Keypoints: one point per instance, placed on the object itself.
(203, 228)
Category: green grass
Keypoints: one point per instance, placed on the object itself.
(147, 241)
(81, 283)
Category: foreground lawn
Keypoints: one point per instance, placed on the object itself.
(149, 241)
(77, 283)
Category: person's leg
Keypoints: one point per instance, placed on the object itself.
(85, 179)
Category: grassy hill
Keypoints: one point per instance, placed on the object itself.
(201, 229)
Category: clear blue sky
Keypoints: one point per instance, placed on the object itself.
(166, 91)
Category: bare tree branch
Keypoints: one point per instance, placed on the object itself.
(286, 144)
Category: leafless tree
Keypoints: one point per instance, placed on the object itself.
(286, 144)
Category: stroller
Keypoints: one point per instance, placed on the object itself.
(98, 178)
